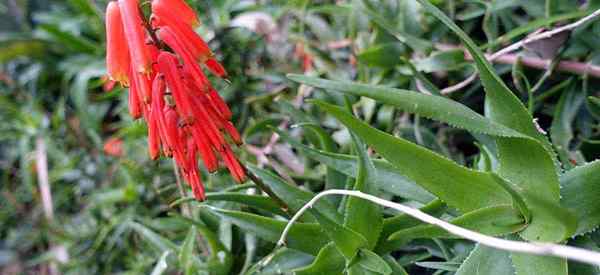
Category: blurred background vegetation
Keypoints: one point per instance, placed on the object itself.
(111, 209)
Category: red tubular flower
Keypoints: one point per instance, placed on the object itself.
(216, 68)
(134, 104)
(117, 51)
(184, 12)
(185, 115)
(164, 16)
(136, 36)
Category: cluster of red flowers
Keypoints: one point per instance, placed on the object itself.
(160, 60)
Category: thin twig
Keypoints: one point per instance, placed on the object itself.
(517, 45)
(41, 165)
(546, 249)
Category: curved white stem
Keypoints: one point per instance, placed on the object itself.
(549, 249)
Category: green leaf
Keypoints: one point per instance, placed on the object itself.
(294, 196)
(433, 107)
(441, 176)
(328, 261)
(187, 250)
(534, 171)
(580, 193)
(485, 260)
(527, 264)
(403, 221)
(256, 201)
(388, 179)
(334, 178)
(363, 216)
(413, 42)
(306, 237)
(442, 61)
(372, 262)
(385, 55)
(158, 241)
(346, 240)
(493, 221)
(280, 261)
(561, 131)
(446, 266)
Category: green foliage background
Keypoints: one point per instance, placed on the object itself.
(474, 157)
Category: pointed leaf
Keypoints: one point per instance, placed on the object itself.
(493, 221)
(256, 201)
(441, 176)
(534, 171)
(306, 237)
(387, 178)
(363, 216)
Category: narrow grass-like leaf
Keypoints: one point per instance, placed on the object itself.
(294, 196)
(187, 250)
(256, 201)
(152, 237)
(306, 237)
(493, 221)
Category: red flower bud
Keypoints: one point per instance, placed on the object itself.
(133, 27)
(183, 12)
(216, 68)
(117, 51)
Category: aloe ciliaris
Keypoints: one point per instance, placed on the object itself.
(159, 59)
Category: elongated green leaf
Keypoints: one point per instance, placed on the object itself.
(152, 237)
(534, 170)
(403, 221)
(187, 250)
(363, 216)
(328, 261)
(561, 131)
(581, 193)
(294, 196)
(434, 107)
(387, 177)
(256, 201)
(346, 240)
(306, 237)
(485, 260)
(441, 176)
(334, 179)
(494, 221)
